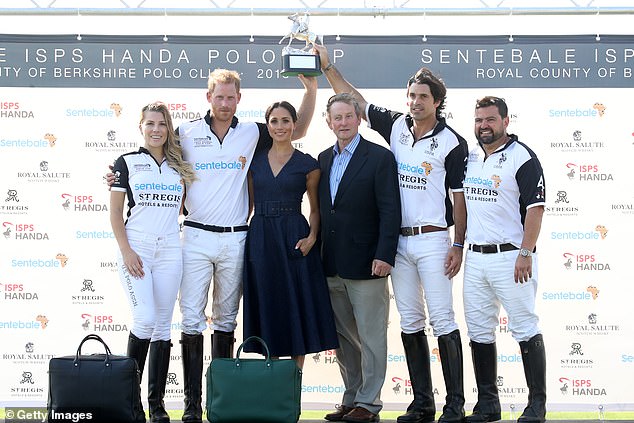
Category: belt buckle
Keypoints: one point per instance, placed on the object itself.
(409, 231)
(490, 249)
(271, 208)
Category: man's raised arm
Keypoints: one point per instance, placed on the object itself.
(336, 79)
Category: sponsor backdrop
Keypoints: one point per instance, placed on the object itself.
(68, 108)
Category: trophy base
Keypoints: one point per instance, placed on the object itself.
(306, 64)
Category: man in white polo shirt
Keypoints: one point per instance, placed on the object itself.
(220, 148)
(431, 159)
(505, 195)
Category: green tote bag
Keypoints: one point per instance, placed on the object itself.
(253, 390)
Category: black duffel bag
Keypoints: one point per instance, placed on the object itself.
(95, 388)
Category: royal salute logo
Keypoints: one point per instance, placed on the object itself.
(18, 292)
(86, 294)
(576, 358)
(111, 266)
(591, 325)
(108, 142)
(587, 173)
(12, 109)
(584, 262)
(431, 148)
(506, 391)
(27, 354)
(23, 232)
(580, 387)
(577, 142)
(43, 172)
(622, 208)
(81, 203)
(13, 203)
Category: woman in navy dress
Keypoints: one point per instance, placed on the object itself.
(286, 300)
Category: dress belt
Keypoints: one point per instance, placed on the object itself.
(276, 208)
(417, 230)
(492, 248)
(214, 228)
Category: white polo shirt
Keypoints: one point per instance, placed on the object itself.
(220, 195)
(427, 168)
(499, 190)
(155, 192)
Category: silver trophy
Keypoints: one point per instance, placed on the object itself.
(296, 61)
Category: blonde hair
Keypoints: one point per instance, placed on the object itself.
(223, 76)
(172, 148)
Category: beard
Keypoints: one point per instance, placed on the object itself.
(489, 139)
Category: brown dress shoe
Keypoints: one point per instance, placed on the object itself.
(337, 416)
(360, 414)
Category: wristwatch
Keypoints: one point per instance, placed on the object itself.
(525, 253)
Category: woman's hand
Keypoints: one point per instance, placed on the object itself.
(305, 244)
(133, 263)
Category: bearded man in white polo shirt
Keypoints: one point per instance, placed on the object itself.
(505, 195)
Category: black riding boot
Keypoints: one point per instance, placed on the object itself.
(192, 355)
(157, 378)
(534, 360)
(450, 347)
(137, 349)
(222, 344)
(423, 408)
(488, 408)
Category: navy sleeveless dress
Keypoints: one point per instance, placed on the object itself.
(286, 300)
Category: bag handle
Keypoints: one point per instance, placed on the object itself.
(261, 341)
(95, 337)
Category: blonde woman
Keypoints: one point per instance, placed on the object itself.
(150, 260)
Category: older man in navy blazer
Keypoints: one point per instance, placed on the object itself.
(360, 222)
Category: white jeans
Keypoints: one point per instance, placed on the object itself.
(419, 276)
(152, 297)
(488, 282)
(206, 256)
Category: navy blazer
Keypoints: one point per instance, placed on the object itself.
(364, 221)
